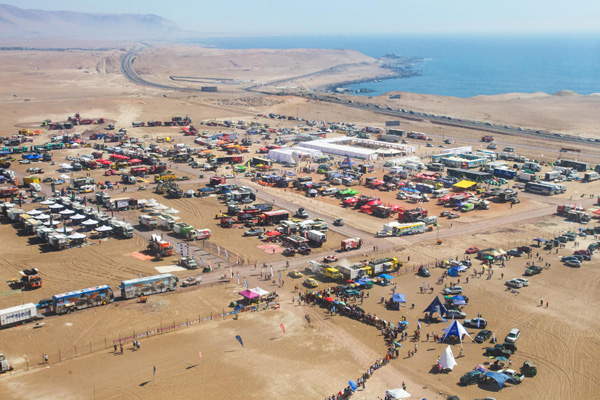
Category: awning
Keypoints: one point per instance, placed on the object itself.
(399, 298)
(259, 291)
(248, 294)
(273, 233)
(386, 277)
(464, 184)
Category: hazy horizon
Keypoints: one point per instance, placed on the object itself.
(352, 17)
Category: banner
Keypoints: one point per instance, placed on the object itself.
(239, 338)
(282, 328)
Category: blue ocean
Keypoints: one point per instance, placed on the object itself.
(464, 66)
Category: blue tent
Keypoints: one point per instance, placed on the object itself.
(453, 272)
(499, 378)
(386, 277)
(459, 301)
(399, 298)
(456, 329)
(436, 306)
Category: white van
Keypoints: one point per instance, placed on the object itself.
(395, 170)
(437, 193)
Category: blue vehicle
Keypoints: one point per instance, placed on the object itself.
(77, 300)
(148, 285)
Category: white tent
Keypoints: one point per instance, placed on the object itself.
(288, 154)
(447, 360)
(171, 211)
(34, 212)
(456, 329)
(259, 291)
(397, 394)
(104, 228)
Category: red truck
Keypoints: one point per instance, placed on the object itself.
(351, 244)
(160, 247)
(487, 138)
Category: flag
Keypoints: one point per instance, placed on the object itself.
(200, 354)
(246, 283)
(237, 256)
(353, 385)
(154, 371)
(279, 276)
(210, 266)
(271, 271)
(282, 328)
(239, 339)
(226, 255)
(200, 261)
(219, 251)
(419, 324)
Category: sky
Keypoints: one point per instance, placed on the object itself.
(321, 17)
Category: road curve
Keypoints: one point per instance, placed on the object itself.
(129, 73)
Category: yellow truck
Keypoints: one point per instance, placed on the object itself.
(165, 177)
(31, 179)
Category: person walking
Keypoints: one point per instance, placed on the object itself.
(45, 358)
(121, 348)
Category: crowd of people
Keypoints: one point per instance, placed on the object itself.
(392, 333)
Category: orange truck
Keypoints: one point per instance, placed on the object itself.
(30, 279)
(160, 247)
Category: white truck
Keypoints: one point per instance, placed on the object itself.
(199, 234)
(18, 314)
(316, 237)
(148, 221)
(351, 244)
(526, 177)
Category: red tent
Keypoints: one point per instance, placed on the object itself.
(375, 203)
(351, 200)
(273, 233)
(597, 212)
(135, 161)
(365, 209)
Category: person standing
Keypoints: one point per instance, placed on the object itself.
(45, 358)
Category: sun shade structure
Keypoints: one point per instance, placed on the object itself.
(259, 291)
(456, 329)
(436, 306)
(447, 360)
(397, 394)
(248, 294)
(499, 378)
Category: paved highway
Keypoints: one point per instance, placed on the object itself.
(484, 127)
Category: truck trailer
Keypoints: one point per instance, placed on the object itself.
(18, 315)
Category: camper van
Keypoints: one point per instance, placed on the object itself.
(535, 167)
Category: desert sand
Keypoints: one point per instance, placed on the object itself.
(307, 361)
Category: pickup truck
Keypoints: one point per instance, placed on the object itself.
(513, 375)
(474, 321)
(533, 270)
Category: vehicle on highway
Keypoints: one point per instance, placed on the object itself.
(453, 215)
(381, 234)
(338, 222)
(472, 250)
(191, 281)
(509, 149)
(295, 274)
(525, 249)
(513, 335)
(253, 232)
(456, 314)
(471, 377)
(492, 146)
(429, 145)
(475, 322)
(310, 282)
(453, 290)
(483, 336)
(330, 259)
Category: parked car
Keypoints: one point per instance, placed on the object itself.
(533, 270)
(513, 335)
(310, 282)
(472, 250)
(456, 314)
(524, 282)
(514, 253)
(514, 376)
(289, 251)
(191, 281)
(509, 346)
(514, 284)
(304, 250)
(524, 249)
(475, 322)
(497, 351)
(44, 303)
(253, 232)
(573, 263)
(295, 274)
(424, 272)
(483, 336)
(471, 377)
(453, 290)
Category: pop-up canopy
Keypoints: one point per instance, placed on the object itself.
(456, 329)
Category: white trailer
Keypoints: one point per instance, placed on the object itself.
(316, 236)
(19, 314)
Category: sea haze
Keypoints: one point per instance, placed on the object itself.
(464, 66)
